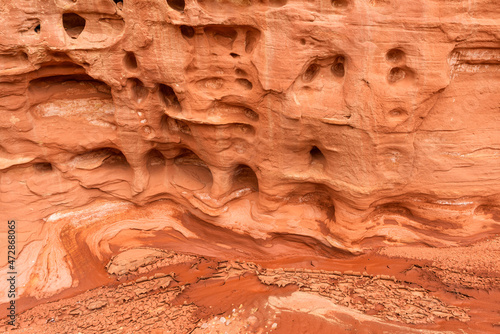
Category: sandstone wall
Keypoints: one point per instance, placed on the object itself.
(352, 124)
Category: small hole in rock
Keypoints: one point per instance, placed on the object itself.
(119, 4)
(244, 176)
(168, 96)
(245, 83)
(396, 74)
(37, 29)
(338, 68)
(317, 155)
(311, 72)
(234, 55)
(339, 3)
(302, 41)
(395, 55)
(178, 5)
(251, 114)
(73, 24)
(187, 31)
(43, 167)
(130, 61)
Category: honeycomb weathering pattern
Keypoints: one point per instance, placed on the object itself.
(349, 125)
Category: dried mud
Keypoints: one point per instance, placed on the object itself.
(173, 292)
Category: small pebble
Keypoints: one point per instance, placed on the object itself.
(222, 319)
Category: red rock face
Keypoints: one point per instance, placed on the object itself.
(140, 136)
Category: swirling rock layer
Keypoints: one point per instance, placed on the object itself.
(357, 141)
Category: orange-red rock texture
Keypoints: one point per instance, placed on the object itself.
(246, 166)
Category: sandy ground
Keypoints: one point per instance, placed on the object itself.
(394, 290)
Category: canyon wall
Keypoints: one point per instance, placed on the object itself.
(243, 129)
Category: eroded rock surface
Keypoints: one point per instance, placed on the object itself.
(148, 136)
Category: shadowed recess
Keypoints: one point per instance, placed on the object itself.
(73, 24)
(338, 67)
(187, 31)
(245, 177)
(311, 72)
(183, 127)
(193, 171)
(223, 36)
(340, 3)
(277, 3)
(72, 84)
(317, 155)
(43, 167)
(178, 5)
(400, 74)
(251, 39)
(395, 56)
(252, 115)
(168, 97)
(102, 157)
(130, 61)
(246, 84)
(188, 157)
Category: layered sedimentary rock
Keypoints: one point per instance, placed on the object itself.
(249, 130)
